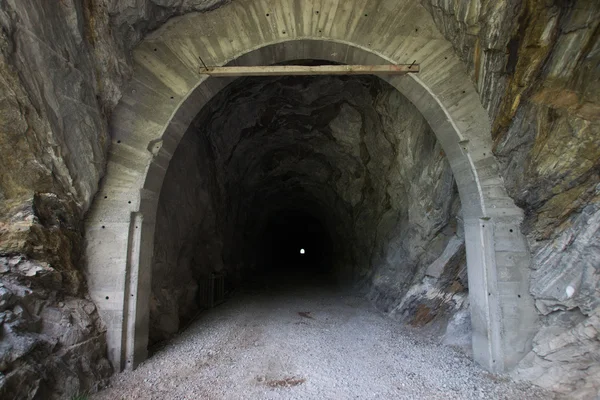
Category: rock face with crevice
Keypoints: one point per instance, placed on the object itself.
(52, 341)
(537, 68)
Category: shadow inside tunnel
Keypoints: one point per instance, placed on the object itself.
(295, 251)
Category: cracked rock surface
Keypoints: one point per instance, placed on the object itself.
(536, 65)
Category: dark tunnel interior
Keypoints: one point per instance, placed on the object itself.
(343, 167)
(294, 243)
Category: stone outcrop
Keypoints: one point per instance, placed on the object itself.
(536, 66)
(50, 348)
(52, 343)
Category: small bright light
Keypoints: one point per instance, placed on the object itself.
(302, 251)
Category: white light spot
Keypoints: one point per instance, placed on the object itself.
(570, 290)
(302, 251)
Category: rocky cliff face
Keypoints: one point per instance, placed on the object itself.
(62, 67)
(52, 341)
(537, 67)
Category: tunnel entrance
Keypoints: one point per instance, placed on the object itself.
(377, 222)
(283, 180)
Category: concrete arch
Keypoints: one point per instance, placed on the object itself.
(167, 91)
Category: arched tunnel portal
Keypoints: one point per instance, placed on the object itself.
(161, 115)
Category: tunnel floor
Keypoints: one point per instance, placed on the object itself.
(307, 339)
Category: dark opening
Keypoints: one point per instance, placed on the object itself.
(343, 167)
(295, 244)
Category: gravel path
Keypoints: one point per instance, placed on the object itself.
(307, 342)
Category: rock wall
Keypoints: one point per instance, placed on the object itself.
(63, 65)
(537, 67)
(188, 245)
(52, 342)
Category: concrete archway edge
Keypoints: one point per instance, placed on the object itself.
(167, 91)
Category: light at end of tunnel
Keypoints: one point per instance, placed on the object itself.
(302, 251)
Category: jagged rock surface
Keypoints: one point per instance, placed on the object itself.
(536, 65)
(52, 341)
(62, 68)
(52, 344)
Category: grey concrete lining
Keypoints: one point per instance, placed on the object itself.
(168, 90)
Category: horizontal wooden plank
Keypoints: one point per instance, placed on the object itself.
(280, 70)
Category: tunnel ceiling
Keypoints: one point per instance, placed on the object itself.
(351, 152)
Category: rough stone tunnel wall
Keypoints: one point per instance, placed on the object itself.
(63, 66)
(350, 151)
(188, 244)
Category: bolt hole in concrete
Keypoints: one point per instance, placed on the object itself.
(304, 202)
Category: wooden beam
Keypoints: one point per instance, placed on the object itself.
(279, 70)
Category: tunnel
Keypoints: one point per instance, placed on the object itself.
(301, 179)
(396, 172)
(293, 243)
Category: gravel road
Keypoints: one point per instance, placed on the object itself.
(307, 342)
